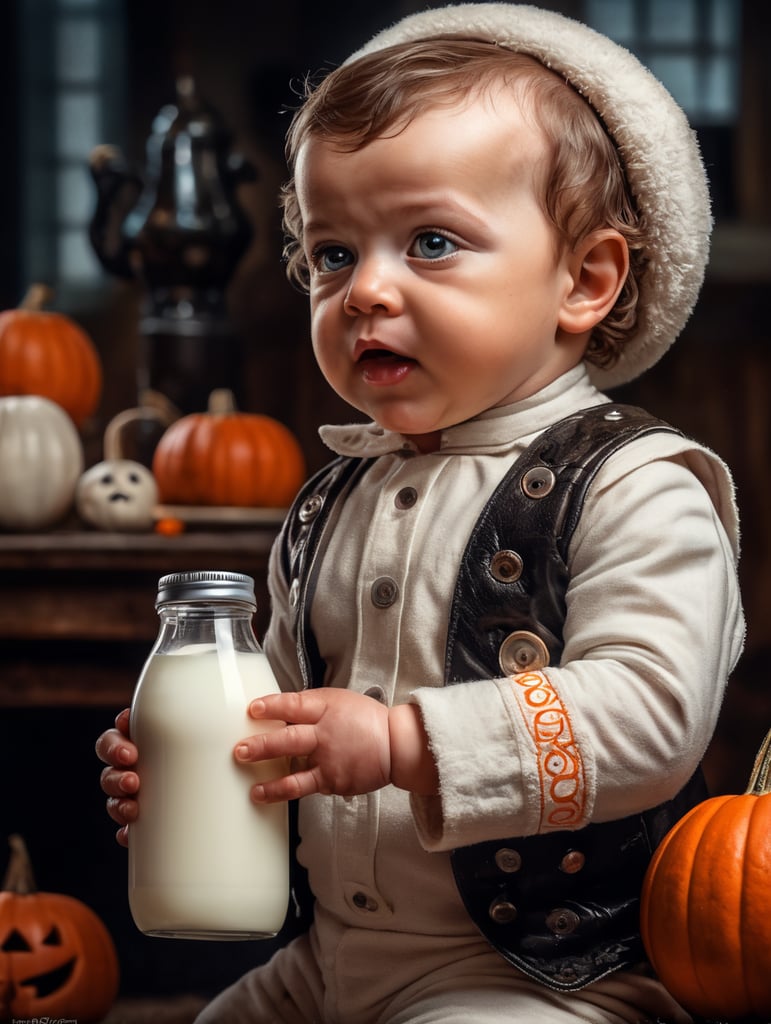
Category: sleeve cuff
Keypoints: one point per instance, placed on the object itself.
(485, 791)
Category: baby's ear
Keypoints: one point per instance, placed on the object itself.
(598, 267)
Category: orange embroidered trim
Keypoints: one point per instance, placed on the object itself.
(560, 768)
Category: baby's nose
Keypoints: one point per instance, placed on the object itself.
(372, 287)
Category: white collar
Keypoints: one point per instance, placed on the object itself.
(495, 430)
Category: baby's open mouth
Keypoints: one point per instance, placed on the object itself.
(383, 354)
(384, 366)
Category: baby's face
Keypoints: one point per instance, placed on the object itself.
(437, 282)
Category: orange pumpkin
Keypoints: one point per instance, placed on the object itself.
(46, 353)
(57, 960)
(226, 457)
(706, 903)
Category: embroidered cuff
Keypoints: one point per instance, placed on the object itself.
(559, 767)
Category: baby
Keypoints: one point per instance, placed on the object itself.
(505, 615)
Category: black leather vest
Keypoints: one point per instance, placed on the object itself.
(561, 906)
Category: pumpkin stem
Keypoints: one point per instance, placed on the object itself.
(18, 876)
(222, 402)
(36, 297)
(760, 780)
(153, 405)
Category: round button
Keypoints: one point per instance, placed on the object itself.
(502, 911)
(363, 902)
(538, 482)
(311, 508)
(522, 651)
(562, 921)
(506, 566)
(406, 498)
(572, 862)
(508, 860)
(384, 592)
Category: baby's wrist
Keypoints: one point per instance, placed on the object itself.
(412, 763)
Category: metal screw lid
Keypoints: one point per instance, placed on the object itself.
(205, 586)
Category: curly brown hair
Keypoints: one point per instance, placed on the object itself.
(583, 188)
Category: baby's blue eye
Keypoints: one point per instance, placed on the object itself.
(430, 245)
(329, 258)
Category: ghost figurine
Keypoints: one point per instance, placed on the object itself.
(117, 494)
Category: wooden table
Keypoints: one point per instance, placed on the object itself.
(77, 613)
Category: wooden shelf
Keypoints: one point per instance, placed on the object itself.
(84, 549)
(77, 613)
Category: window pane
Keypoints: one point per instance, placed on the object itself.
(77, 125)
(673, 21)
(615, 18)
(75, 195)
(76, 258)
(724, 22)
(78, 50)
(679, 76)
(720, 92)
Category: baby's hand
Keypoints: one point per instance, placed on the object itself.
(117, 780)
(347, 744)
(340, 737)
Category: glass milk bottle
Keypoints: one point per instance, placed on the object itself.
(204, 861)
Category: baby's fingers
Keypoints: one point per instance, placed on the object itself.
(305, 707)
(119, 783)
(284, 741)
(290, 787)
(121, 810)
(113, 748)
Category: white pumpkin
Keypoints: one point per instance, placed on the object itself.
(117, 494)
(41, 458)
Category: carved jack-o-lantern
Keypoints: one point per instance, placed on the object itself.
(57, 959)
(117, 494)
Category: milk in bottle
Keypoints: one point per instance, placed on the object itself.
(204, 862)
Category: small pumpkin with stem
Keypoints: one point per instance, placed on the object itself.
(57, 959)
(46, 353)
(227, 457)
(706, 903)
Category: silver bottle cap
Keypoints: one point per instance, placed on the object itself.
(179, 587)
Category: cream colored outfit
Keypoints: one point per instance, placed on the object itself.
(654, 626)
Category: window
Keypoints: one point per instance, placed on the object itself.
(692, 46)
(71, 98)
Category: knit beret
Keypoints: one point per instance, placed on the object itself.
(657, 146)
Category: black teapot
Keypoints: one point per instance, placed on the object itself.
(179, 230)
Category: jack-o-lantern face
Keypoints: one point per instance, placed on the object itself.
(51, 977)
(56, 958)
(117, 494)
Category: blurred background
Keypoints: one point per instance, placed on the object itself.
(78, 74)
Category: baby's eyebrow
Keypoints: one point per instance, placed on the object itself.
(436, 207)
(316, 227)
(430, 209)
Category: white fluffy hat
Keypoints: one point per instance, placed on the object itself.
(657, 146)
